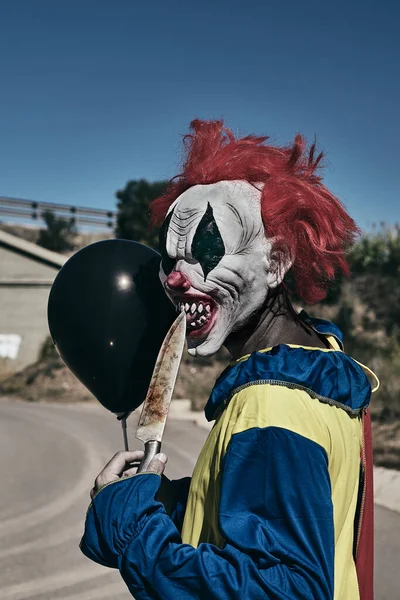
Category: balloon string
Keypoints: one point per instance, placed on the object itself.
(125, 434)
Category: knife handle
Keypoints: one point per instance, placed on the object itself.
(150, 450)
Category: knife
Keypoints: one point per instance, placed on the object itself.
(152, 421)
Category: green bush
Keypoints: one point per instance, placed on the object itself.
(378, 253)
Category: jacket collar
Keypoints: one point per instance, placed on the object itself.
(327, 375)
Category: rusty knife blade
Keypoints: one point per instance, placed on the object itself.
(155, 408)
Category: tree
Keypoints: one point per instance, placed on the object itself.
(59, 233)
(133, 220)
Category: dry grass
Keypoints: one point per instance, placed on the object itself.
(45, 380)
(386, 444)
(49, 379)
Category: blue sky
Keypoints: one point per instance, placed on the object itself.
(94, 92)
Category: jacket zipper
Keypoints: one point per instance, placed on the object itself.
(364, 466)
(354, 412)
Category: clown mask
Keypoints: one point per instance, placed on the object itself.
(217, 264)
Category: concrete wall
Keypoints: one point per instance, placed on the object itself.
(17, 266)
(24, 312)
(23, 308)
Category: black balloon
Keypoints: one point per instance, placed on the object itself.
(108, 316)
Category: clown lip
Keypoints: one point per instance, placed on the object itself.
(200, 313)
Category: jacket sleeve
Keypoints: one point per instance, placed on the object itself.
(275, 514)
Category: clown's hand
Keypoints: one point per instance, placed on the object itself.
(121, 503)
(125, 464)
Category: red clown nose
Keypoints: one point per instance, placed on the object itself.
(177, 281)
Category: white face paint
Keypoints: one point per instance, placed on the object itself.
(217, 260)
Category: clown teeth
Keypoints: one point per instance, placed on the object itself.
(191, 309)
(198, 314)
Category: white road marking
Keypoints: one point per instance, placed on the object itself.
(51, 583)
(93, 464)
(108, 591)
(61, 537)
(94, 454)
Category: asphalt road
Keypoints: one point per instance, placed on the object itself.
(49, 457)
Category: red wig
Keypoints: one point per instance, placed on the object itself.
(296, 207)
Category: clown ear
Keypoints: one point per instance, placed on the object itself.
(280, 261)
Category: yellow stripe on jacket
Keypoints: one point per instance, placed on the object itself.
(267, 405)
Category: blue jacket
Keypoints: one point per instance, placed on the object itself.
(271, 509)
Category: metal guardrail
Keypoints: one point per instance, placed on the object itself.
(32, 209)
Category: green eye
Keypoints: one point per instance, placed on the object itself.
(167, 262)
(208, 247)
